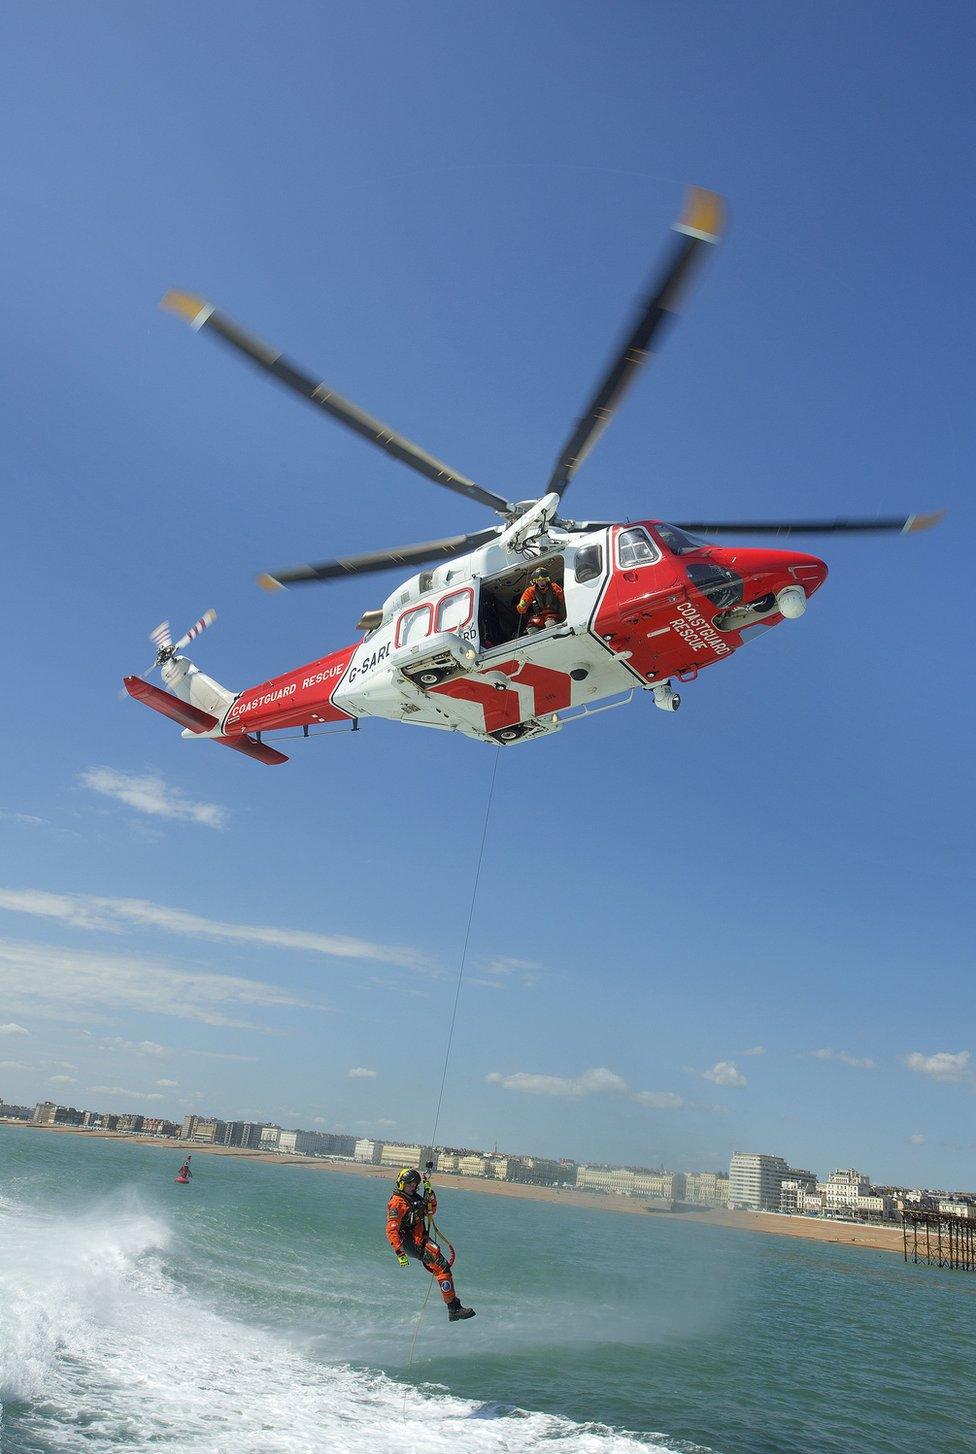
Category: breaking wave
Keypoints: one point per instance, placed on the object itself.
(101, 1344)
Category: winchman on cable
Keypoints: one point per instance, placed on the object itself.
(542, 601)
(409, 1216)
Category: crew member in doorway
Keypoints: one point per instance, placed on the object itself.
(542, 602)
(407, 1217)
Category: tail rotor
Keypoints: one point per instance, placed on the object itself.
(166, 648)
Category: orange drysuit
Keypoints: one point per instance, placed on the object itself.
(544, 603)
(406, 1232)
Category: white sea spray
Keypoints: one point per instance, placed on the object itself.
(100, 1345)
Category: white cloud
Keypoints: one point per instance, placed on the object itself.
(386, 1124)
(63, 1080)
(29, 820)
(725, 1072)
(943, 1065)
(12, 1029)
(150, 794)
(507, 968)
(91, 911)
(359, 1072)
(69, 984)
(860, 1062)
(118, 1090)
(15, 1065)
(596, 1081)
(659, 1100)
(139, 1047)
(167, 1082)
(756, 1050)
(917, 1139)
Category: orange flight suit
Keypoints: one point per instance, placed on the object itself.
(545, 605)
(406, 1232)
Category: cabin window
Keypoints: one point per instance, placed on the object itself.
(413, 625)
(589, 563)
(454, 611)
(679, 541)
(635, 548)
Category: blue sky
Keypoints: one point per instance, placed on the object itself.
(449, 211)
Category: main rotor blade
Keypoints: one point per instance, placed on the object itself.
(903, 524)
(700, 225)
(359, 565)
(202, 315)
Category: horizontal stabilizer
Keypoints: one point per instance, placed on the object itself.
(260, 751)
(196, 721)
(170, 706)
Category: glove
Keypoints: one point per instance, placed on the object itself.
(403, 1259)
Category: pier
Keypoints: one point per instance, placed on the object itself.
(939, 1239)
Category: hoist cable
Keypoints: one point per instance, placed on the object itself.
(464, 947)
(450, 1036)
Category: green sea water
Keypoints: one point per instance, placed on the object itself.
(260, 1309)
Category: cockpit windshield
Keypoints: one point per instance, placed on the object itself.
(679, 542)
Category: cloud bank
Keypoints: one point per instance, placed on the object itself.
(92, 911)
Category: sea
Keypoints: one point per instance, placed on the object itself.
(259, 1309)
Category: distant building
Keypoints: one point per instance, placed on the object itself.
(473, 1164)
(205, 1130)
(399, 1154)
(156, 1126)
(270, 1137)
(246, 1134)
(955, 1207)
(47, 1113)
(15, 1113)
(367, 1151)
(287, 1142)
(539, 1171)
(706, 1188)
(755, 1181)
(332, 1143)
(130, 1123)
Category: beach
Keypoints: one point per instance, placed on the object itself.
(852, 1234)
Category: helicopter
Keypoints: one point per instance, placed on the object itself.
(512, 631)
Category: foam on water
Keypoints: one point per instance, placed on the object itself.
(101, 1345)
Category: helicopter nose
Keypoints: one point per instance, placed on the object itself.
(809, 573)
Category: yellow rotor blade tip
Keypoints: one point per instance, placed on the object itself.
(268, 583)
(924, 522)
(703, 215)
(187, 305)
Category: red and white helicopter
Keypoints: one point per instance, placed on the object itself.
(642, 605)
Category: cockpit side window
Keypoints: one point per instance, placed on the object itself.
(589, 563)
(635, 548)
(679, 542)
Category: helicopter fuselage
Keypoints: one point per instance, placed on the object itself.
(644, 605)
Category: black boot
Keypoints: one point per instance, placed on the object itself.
(456, 1313)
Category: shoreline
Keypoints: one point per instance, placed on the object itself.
(847, 1234)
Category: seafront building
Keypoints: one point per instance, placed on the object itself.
(204, 1130)
(756, 1181)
